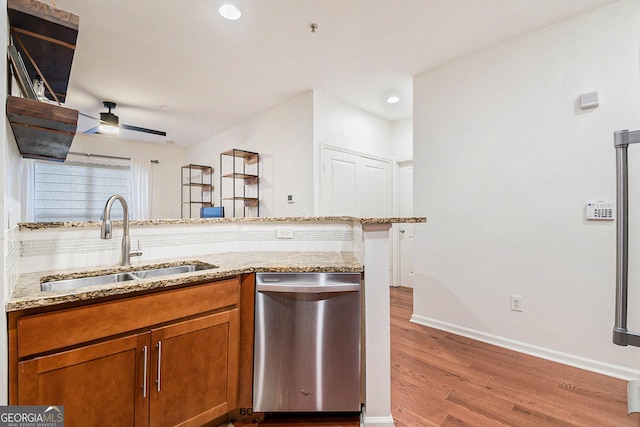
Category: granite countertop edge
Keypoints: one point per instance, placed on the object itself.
(27, 293)
(151, 222)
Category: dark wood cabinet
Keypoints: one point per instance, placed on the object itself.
(183, 372)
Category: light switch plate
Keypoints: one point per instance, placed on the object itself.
(589, 100)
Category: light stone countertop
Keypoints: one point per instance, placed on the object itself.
(27, 293)
(300, 219)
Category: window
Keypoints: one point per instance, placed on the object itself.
(78, 191)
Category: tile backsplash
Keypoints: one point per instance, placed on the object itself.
(12, 258)
(65, 248)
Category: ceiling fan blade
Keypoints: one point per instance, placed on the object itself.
(88, 116)
(139, 129)
(92, 130)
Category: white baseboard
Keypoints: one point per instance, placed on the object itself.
(376, 421)
(592, 365)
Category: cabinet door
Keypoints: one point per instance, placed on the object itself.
(195, 370)
(98, 385)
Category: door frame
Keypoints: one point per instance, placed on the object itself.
(396, 276)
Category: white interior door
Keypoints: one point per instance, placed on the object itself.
(355, 185)
(374, 182)
(339, 172)
(405, 178)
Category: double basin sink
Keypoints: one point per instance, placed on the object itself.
(113, 278)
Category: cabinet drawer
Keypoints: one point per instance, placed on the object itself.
(49, 331)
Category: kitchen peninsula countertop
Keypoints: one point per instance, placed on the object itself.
(27, 293)
(301, 219)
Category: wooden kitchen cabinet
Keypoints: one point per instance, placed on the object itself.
(114, 366)
(96, 384)
(195, 370)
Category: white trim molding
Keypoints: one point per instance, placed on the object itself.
(592, 365)
(376, 421)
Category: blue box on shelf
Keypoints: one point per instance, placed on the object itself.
(213, 212)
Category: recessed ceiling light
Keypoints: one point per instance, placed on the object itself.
(230, 12)
(393, 99)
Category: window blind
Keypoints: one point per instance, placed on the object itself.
(78, 191)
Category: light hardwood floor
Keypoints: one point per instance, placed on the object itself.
(442, 379)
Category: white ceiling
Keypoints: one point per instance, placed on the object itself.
(182, 68)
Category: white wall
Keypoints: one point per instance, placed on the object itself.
(402, 138)
(339, 124)
(283, 138)
(504, 163)
(166, 174)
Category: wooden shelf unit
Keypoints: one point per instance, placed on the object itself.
(45, 37)
(196, 179)
(244, 174)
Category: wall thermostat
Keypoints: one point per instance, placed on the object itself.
(600, 210)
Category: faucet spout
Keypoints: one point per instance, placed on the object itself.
(105, 229)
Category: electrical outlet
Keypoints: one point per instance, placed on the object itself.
(516, 303)
(284, 233)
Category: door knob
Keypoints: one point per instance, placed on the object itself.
(402, 230)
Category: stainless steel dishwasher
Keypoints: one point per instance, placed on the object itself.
(307, 342)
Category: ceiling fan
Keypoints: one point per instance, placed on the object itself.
(110, 123)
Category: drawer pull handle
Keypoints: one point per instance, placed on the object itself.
(159, 363)
(144, 377)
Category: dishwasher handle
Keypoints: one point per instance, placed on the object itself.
(307, 289)
(308, 283)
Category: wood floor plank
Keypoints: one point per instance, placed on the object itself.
(488, 385)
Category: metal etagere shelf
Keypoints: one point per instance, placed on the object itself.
(242, 186)
(196, 190)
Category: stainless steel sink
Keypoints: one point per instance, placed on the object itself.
(81, 282)
(167, 271)
(147, 273)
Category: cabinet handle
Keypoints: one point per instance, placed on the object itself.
(144, 381)
(159, 362)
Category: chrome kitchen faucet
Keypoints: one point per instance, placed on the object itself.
(105, 229)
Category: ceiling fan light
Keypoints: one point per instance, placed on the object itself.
(109, 123)
(230, 12)
(109, 129)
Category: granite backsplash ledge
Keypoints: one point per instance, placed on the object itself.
(52, 246)
(187, 221)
